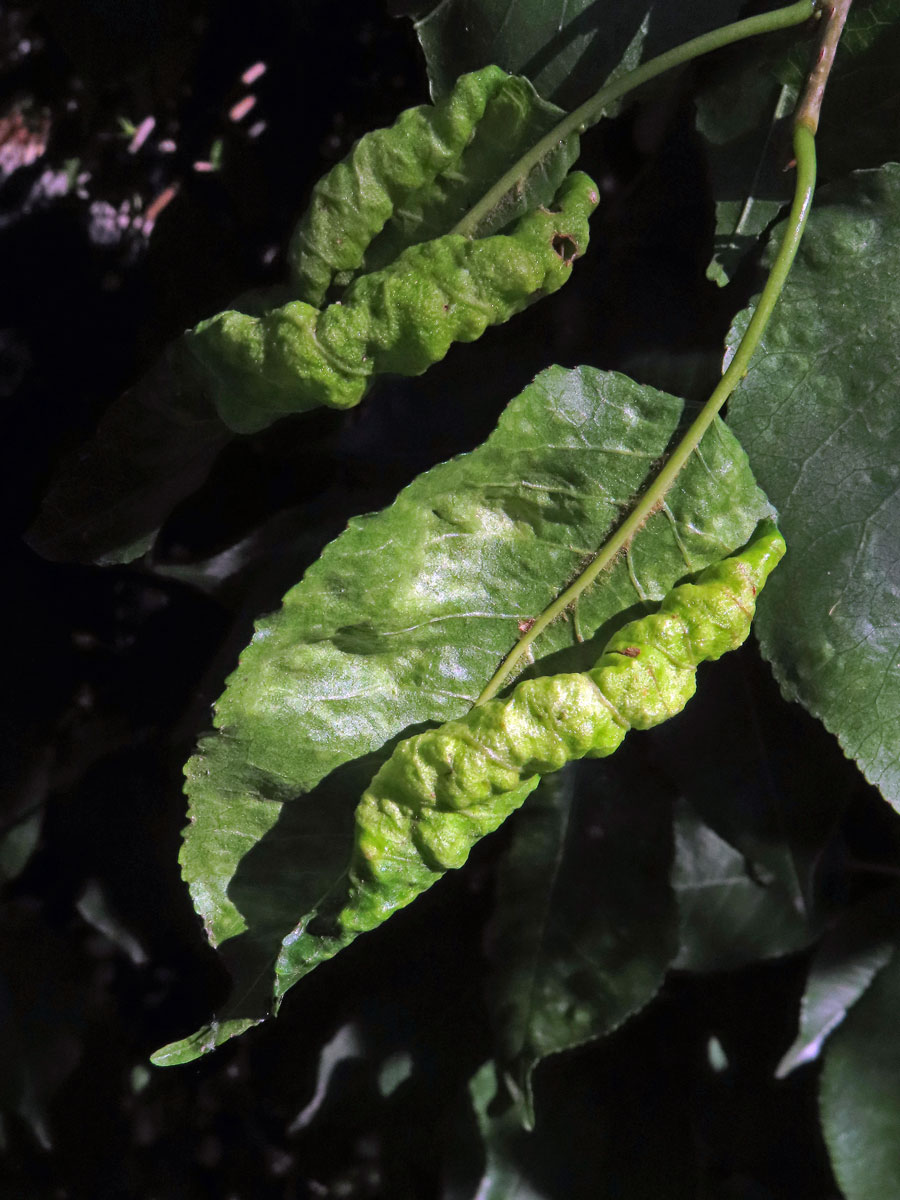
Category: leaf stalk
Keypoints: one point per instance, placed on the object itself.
(650, 501)
(589, 113)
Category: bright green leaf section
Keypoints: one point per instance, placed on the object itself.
(818, 414)
(732, 911)
(405, 617)
(568, 48)
(586, 923)
(406, 184)
(849, 957)
(860, 1093)
(415, 180)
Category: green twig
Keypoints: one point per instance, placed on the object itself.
(592, 110)
(650, 501)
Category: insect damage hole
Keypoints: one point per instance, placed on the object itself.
(565, 246)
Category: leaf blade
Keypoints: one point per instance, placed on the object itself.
(585, 924)
(360, 656)
(817, 416)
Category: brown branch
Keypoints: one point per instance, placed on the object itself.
(811, 103)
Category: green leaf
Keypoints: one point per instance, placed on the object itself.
(817, 413)
(739, 764)
(860, 121)
(568, 49)
(860, 1093)
(154, 445)
(732, 911)
(157, 442)
(744, 111)
(849, 957)
(405, 617)
(504, 1177)
(744, 120)
(415, 180)
(586, 922)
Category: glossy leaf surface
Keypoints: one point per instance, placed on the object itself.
(732, 912)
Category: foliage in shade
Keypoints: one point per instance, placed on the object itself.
(731, 913)
(817, 413)
(585, 922)
(860, 1092)
(567, 49)
(744, 111)
(848, 958)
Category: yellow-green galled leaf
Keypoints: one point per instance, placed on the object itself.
(819, 417)
(400, 190)
(416, 179)
(400, 319)
(406, 616)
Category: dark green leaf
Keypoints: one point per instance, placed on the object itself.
(849, 957)
(501, 1132)
(818, 415)
(763, 776)
(405, 617)
(568, 50)
(732, 910)
(586, 922)
(745, 121)
(744, 114)
(154, 446)
(860, 1093)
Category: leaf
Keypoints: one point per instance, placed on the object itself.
(504, 1178)
(764, 776)
(860, 120)
(568, 49)
(405, 617)
(156, 443)
(744, 114)
(731, 913)
(586, 922)
(415, 180)
(745, 121)
(849, 957)
(859, 1101)
(818, 416)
